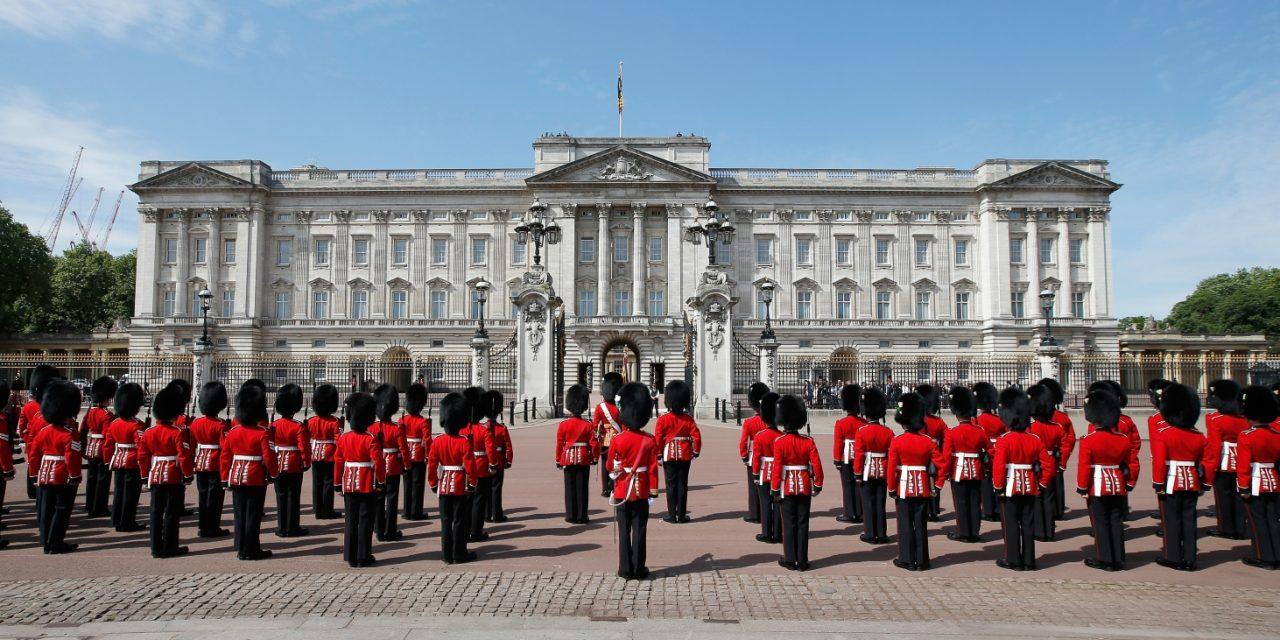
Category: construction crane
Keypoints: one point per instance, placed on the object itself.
(84, 231)
(68, 190)
(93, 213)
(106, 233)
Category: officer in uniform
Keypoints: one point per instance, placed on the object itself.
(910, 456)
(55, 457)
(1107, 471)
(1223, 428)
(248, 465)
(503, 454)
(359, 472)
(1257, 455)
(395, 451)
(605, 418)
(1065, 448)
(166, 465)
(207, 432)
(1051, 434)
(966, 454)
(846, 431)
(762, 464)
(633, 466)
(97, 485)
(679, 442)
(417, 434)
(1023, 469)
(987, 396)
(576, 451)
(325, 428)
(750, 427)
(796, 479)
(1180, 472)
(870, 453)
(450, 464)
(120, 450)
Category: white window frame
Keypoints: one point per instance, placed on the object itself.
(844, 304)
(399, 304)
(884, 252)
(656, 248)
(360, 304)
(586, 304)
(844, 252)
(171, 251)
(587, 249)
(1018, 304)
(199, 250)
(283, 308)
(961, 252)
(620, 248)
(804, 304)
(766, 244)
(1045, 246)
(320, 304)
(657, 302)
(323, 251)
(284, 251)
(804, 251)
(169, 303)
(924, 305)
(621, 303)
(228, 303)
(1017, 250)
(438, 304)
(964, 300)
(359, 255)
(519, 251)
(439, 251)
(482, 244)
(1075, 250)
(922, 252)
(884, 305)
(399, 256)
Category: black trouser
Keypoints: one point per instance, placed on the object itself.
(31, 490)
(576, 479)
(1264, 524)
(606, 482)
(795, 529)
(288, 503)
(1059, 487)
(1046, 520)
(246, 505)
(479, 507)
(415, 487)
(322, 489)
(166, 513)
(967, 496)
(990, 498)
(1017, 519)
(1179, 509)
(211, 496)
(935, 501)
(770, 514)
(753, 496)
(124, 505)
(873, 508)
(913, 530)
(633, 522)
(97, 486)
(385, 517)
(493, 510)
(849, 489)
(677, 488)
(1106, 514)
(454, 525)
(1229, 507)
(4, 485)
(55, 514)
(357, 543)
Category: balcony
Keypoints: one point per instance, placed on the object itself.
(319, 177)
(846, 177)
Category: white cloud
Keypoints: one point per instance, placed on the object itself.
(187, 27)
(37, 144)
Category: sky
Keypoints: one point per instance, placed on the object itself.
(1183, 98)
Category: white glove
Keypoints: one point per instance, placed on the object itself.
(652, 500)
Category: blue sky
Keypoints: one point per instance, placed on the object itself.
(1181, 97)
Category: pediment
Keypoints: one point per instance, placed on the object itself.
(845, 283)
(192, 175)
(964, 283)
(759, 281)
(805, 282)
(885, 283)
(924, 283)
(1050, 283)
(399, 283)
(620, 165)
(1053, 176)
(320, 284)
(438, 283)
(359, 283)
(281, 283)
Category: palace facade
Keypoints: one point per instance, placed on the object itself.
(866, 262)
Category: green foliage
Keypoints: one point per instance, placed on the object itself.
(1247, 301)
(25, 267)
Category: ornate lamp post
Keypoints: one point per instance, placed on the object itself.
(205, 296)
(538, 227)
(710, 229)
(482, 296)
(1046, 307)
(766, 296)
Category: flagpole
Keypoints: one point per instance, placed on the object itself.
(619, 98)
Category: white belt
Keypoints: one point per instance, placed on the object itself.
(866, 463)
(962, 456)
(96, 436)
(208, 446)
(912, 468)
(246, 458)
(682, 439)
(164, 458)
(1228, 450)
(579, 444)
(52, 459)
(848, 450)
(479, 454)
(358, 465)
(902, 481)
(1174, 465)
(445, 467)
(286, 448)
(414, 440)
(795, 467)
(1098, 473)
(766, 459)
(1008, 484)
(386, 450)
(126, 446)
(1255, 475)
(321, 442)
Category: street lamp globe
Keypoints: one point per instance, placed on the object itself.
(766, 292)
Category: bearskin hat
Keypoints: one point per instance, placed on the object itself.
(1059, 395)
(415, 398)
(635, 406)
(40, 378)
(254, 382)
(1015, 409)
(168, 403)
(576, 399)
(455, 413)
(1112, 387)
(986, 396)
(60, 402)
(755, 392)
(1156, 387)
(678, 396)
(102, 390)
(769, 408)
(911, 411)
(474, 395)
(1224, 396)
(1042, 406)
(129, 400)
(251, 405)
(1102, 409)
(1259, 405)
(929, 397)
(289, 400)
(360, 410)
(184, 387)
(962, 402)
(324, 401)
(388, 398)
(791, 414)
(874, 404)
(1180, 406)
(493, 402)
(851, 399)
(610, 385)
(213, 398)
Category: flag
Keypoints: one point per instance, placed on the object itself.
(619, 87)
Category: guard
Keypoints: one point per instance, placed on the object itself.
(325, 428)
(1178, 457)
(207, 433)
(796, 479)
(1065, 448)
(359, 471)
(1107, 471)
(1258, 453)
(1051, 434)
(395, 451)
(762, 464)
(576, 451)
(870, 453)
(934, 427)
(97, 484)
(679, 442)
(1023, 469)
(293, 455)
(987, 398)
(846, 430)
(55, 457)
(910, 456)
(632, 465)
(966, 455)
(605, 418)
(417, 433)
(248, 464)
(482, 450)
(503, 454)
(165, 462)
(1223, 428)
(120, 450)
(750, 427)
(449, 473)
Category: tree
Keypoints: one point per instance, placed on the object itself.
(25, 267)
(1247, 301)
(89, 289)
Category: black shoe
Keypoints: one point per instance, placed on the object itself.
(133, 529)
(180, 551)
(624, 575)
(300, 531)
(470, 557)
(956, 536)
(844, 518)
(1004, 564)
(1189, 566)
(1254, 562)
(1096, 564)
(867, 539)
(1169, 564)
(399, 535)
(802, 566)
(218, 533)
(882, 540)
(760, 537)
(789, 566)
(855, 520)
(669, 519)
(499, 519)
(934, 519)
(65, 547)
(751, 520)
(642, 573)
(923, 566)
(1159, 532)
(897, 562)
(685, 519)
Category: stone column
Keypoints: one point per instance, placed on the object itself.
(419, 259)
(1031, 257)
(535, 299)
(902, 266)
(148, 262)
(480, 361)
(301, 265)
(203, 370)
(1048, 356)
(1064, 263)
(213, 249)
(638, 259)
(182, 302)
(378, 259)
(603, 259)
(564, 269)
(824, 303)
(866, 257)
(340, 258)
(769, 361)
(674, 252)
(1096, 258)
(711, 312)
(460, 302)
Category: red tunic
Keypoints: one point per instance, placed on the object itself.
(1017, 456)
(678, 437)
(292, 445)
(1177, 456)
(417, 434)
(871, 451)
(120, 443)
(30, 422)
(992, 425)
(908, 467)
(502, 449)
(95, 422)
(1257, 454)
(797, 468)
(842, 445)
(750, 427)
(395, 448)
(964, 452)
(633, 465)
(358, 464)
(482, 451)
(6, 453)
(164, 455)
(576, 444)
(1051, 435)
(1108, 465)
(1223, 432)
(1127, 428)
(935, 428)
(324, 432)
(207, 433)
(449, 465)
(1068, 445)
(762, 455)
(54, 458)
(247, 458)
(605, 417)
(1155, 424)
